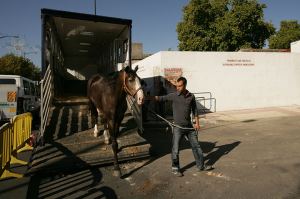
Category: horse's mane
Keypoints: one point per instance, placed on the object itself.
(113, 75)
(110, 77)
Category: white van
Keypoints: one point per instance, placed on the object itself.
(18, 95)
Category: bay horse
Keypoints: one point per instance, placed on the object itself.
(107, 97)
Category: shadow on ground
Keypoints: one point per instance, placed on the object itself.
(74, 179)
(160, 138)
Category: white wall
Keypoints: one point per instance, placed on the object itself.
(147, 65)
(238, 80)
(295, 47)
(147, 68)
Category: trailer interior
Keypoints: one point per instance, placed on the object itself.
(77, 46)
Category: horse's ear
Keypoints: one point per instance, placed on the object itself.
(126, 69)
(136, 68)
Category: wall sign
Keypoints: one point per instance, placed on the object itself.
(239, 63)
(172, 74)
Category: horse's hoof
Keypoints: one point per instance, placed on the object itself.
(96, 134)
(117, 173)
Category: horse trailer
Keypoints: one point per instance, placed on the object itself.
(76, 46)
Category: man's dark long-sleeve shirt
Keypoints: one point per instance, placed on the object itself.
(182, 105)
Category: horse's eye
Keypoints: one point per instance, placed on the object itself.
(131, 79)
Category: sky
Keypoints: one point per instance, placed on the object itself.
(153, 21)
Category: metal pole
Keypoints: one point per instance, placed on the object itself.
(95, 5)
(43, 40)
(129, 44)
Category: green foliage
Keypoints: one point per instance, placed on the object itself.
(11, 64)
(289, 32)
(223, 25)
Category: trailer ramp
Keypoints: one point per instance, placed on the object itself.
(69, 139)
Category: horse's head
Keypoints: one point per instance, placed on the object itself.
(132, 84)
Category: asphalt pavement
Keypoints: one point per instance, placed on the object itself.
(255, 154)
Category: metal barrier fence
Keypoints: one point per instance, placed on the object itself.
(13, 139)
(202, 98)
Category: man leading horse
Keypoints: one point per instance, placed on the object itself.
(184, 103)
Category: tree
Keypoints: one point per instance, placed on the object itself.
(223, 25)
(11, 64)
(289, 32)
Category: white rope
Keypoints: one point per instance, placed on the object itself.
(170, 123)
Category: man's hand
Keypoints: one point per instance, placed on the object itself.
(154, 98)
(197, 127)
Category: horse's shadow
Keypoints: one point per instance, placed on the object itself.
(130, 124)
(160, 139)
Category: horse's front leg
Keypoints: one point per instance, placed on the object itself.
(114, 133)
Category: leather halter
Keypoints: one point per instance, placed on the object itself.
(126, 89)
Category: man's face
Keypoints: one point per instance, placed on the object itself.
(180, 87)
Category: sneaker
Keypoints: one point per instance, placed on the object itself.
(177, 173)
(206, 168)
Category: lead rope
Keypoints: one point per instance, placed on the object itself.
(172, 125)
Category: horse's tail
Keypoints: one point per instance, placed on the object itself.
(90, 82)
(92, 106)
(93, 112)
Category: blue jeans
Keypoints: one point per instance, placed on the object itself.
(192, 137)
